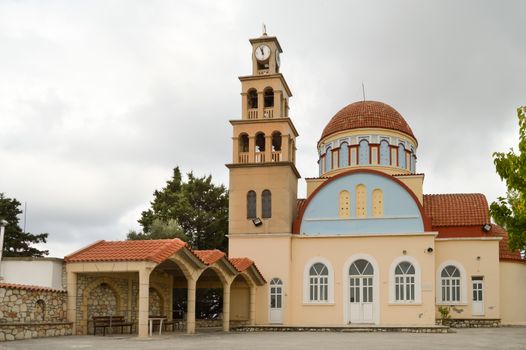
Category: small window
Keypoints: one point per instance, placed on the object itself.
(344, 210)
(266, 204)
(251, 205)
(363, 153)
(328, 159)
(378, 203)
(405, 282)
(361, 201)
(252, 98)
(318, 282)
(268, 95)
(450, 284)
(243, 143)
(401, 156)
(344, 155)
(384, 153)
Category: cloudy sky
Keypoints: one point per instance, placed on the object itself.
(99, 100)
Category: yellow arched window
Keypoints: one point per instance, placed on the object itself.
(345, 204)
(361, 201)
(378, 203)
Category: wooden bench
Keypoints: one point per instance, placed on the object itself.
(110, 322)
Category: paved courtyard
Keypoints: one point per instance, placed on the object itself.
(500, 338)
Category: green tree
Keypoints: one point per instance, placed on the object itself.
(17, 242)
(198, 207)
(510, 211)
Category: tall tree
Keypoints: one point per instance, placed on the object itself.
(198, 206)
(510, 211)
(17, 242)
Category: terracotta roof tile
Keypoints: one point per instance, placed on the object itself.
(459, 209)
(241, 264)
(30, 287)
(504, 251)
(209, 256)
(151, 250)
(367, 114)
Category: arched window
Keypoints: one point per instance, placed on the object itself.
(266, 204)
(268, 97)
(251, 205)
(401, 156)
(276, 141)
(378, 203)
(450, 284)
(344, 154)
(243, 143)
(328, 159)
(252, 98)
(344, 210)
(318, 282)
(363, 153)
(405, 282)
(361, 201)
(260, 142)
(361, 274)
(384, 153)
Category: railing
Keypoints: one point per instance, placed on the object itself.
(252, 113)
(268, 113)
(260, 157)
(243, 157)
(276, 156)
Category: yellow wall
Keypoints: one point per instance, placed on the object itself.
(479, 257)
(512, 293)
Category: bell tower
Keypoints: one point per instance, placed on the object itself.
(263, 174)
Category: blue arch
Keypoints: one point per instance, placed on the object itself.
(363, 152)
(344, 155)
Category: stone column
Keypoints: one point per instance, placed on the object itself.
(277, 104)
(268, 148)
(244, 106)
(261, 103)
(235, 149)
(285, 156)
(252, 306)
(71, 286)
(226, 306)
(144, 294)
(251, 149)
(190, 315)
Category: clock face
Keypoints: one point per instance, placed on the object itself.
(262, 52)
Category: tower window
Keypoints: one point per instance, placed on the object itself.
(260, 142)
(251, 205)
(266, 204)
(252, 98)
(243, 143)
(276, 141)
(268, 97)
(328, 159)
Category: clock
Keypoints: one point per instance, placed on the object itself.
(262, 52)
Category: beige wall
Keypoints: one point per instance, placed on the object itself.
(478, 257)
(512, 293)
(280, 180)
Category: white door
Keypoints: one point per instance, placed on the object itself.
(276, 301)
(361, 288)
(478, 296)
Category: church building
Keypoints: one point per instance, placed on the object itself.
(366, 246)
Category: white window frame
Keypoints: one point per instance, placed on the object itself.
(463, 285)
(418, 281)
(306, 281)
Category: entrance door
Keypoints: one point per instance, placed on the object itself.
(478, 296)
(361, 287)
(276, 301)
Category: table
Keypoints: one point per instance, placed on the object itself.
(150, 321)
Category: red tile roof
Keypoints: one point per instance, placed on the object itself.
(209, 256)
(459, 209)
(30, 287)
(367, 114)
(504, 251)
(151, 250)
(241, 264)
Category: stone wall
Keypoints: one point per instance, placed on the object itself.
(469, 323)
(29, 312)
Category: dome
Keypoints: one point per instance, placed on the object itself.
(367, 114)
